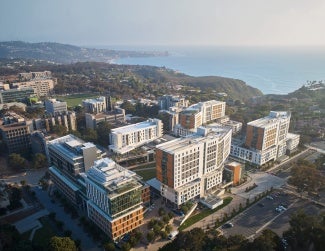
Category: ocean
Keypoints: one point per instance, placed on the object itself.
(273, 70)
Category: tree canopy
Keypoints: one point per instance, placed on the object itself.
(62, 244)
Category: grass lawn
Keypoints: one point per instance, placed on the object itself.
(151, 165)
(147, 174)
(206, 212)
(75, 99)
(43, 235)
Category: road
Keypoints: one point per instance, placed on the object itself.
(31, 177)
(87, 242)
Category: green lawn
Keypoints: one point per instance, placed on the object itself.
(43, 235)
(151, 165)
(75, 99)
(147, 174)
(206, 212)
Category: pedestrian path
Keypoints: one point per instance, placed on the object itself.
(30, 222)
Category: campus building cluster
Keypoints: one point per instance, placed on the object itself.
(102, 109)
(31, 84)
(190, 167)
(111, 195)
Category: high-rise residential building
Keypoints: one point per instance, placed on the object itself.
(53, 106)
(70, 156)
(167, 101)
(114, 198)
(95, 105)
(126, 138)
(199, 114)
(266, 139)
(16, 95)
(192, 167)
(16, 132)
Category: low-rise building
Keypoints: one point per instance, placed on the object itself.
(53, 106)
(16, 132)
(292, 142)
(16, 95)
(112, 117)
(167, 101)
(233, 172)
(125, 139)
(41, 87)
(95, 105)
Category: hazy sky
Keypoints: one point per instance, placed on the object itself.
(164, 22)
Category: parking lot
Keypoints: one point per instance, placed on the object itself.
(259, 216)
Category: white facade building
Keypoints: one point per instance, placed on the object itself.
(95, 105)
(54, 106)
(266, 139)
(292, 141)
(125, 139)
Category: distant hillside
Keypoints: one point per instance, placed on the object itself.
(63, 53)
(131, 80)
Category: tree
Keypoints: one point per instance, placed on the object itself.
(126, 246)
(267, 241)
(62, 244)
(306, 178)
(109, 246)
(39, 161)
(306, 231)
(90, 135)
(168, 228)
(150, 236)
(128, 107)
(60, 130)
(103, 130)
(16, 161)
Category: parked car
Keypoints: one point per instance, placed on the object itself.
(269, 197)
(228, 225)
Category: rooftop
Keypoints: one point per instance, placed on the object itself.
(135, 127)
(94, 100)
(70, 146)
(273, 117)
(202, 135)
(113, 177)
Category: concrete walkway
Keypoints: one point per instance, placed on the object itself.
(30, 222)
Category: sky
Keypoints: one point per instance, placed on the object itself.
(165, 22)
